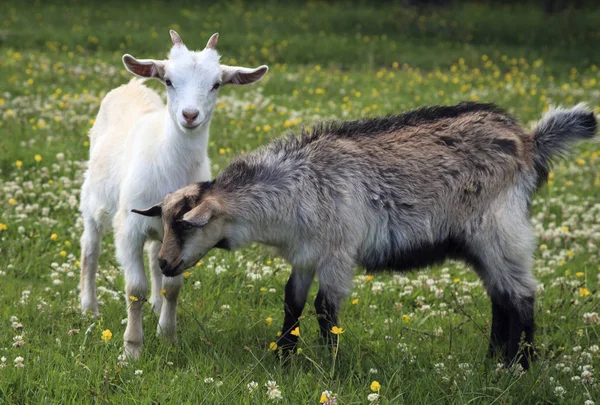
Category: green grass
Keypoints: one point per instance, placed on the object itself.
(327, 61)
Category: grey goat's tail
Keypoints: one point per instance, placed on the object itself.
(553, 135)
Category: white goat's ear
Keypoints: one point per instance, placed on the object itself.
(154, 211)
(175, 38)
(242, 75)
(144, 67)
(200, 215)
(212, 42)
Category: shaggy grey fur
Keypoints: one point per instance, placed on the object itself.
(392, 193)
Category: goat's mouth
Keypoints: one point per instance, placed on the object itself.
(174, 270)
(191, 126)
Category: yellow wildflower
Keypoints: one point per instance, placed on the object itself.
(584, 292)
(38, 158)
(336, 330)
(186, 274)
(3, 227)
(53, 236)
(375, 386)
(106, 335)
(369, 278)
(133, 298)
(296, 332)
(63, 253)
(405, 318)
(273, 346)
(163, 291)
(269, 321)
(355, 301)
(19, 163)
(12, 201)
(579, 274)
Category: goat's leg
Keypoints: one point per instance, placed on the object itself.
(130, 246)
(156, 277)
(296, 291)
(504, 261)
(167, 323)
(90, 250)
(335, 282)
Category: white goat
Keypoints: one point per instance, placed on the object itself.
(140, 150)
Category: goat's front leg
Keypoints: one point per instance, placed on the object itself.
(335, 282)
(296, 291)
(130, 248)
(156, 277)
(167, 323)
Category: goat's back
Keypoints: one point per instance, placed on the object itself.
(121, 108)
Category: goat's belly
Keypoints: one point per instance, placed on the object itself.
(415, 256)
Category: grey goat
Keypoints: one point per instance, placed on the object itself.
(398, 193)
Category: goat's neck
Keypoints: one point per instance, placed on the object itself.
(269, 225)
(177, 139)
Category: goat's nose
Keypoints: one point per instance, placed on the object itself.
(162, 263)
(190, 114)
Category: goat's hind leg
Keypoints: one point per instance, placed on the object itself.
(90, 251)
(505, 261)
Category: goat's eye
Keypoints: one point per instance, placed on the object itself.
(186, 225)
(216, 86)
(168, 83)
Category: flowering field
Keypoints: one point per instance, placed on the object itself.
(418, 337)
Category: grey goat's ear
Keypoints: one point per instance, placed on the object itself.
(200, 215)
(154, 211)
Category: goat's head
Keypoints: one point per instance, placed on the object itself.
(194, 221)
(192, 79)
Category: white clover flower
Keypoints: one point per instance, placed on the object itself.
(209, 380)
(251, 386)
(273, 392)
(373, 371)
(559, 391)
(138, 372)
(372, 397)
(19, 362)
(18, 341)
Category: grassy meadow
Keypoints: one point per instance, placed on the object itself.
(422, 336)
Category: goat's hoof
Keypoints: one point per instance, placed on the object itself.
(168, 335)
(132, 350)
(90, 308)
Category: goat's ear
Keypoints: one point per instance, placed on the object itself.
(175, 38)
(200, 215)
(154, 211)
(144, 67)
(242, 75)
(212, 42)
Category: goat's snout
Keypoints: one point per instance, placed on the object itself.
(190, 114)
(162, 263)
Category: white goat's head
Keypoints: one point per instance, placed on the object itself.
(192, 79)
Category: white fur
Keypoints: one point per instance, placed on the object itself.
(140, 151)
